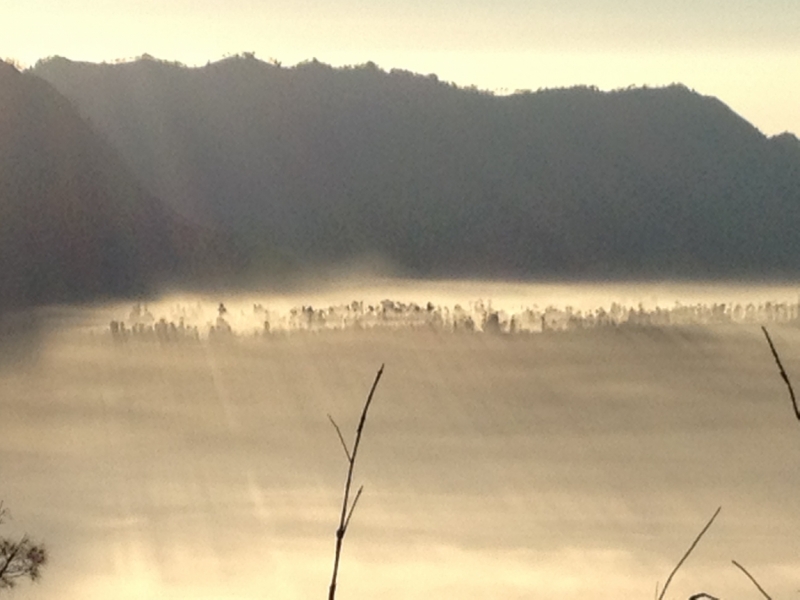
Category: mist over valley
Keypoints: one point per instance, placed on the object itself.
(570, 461)
(566, 287)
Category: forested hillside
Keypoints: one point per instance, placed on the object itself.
(74, 224)
(332, 164)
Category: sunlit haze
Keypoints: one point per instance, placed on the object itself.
(744, 52)
(577, 312)
(574, 460)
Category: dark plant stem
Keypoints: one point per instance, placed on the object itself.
(783, 373)
(753, 579)
(347, 508)
(688, 552)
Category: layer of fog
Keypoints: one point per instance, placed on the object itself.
(572, 465)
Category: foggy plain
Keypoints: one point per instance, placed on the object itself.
(575, 458)
(566, 464)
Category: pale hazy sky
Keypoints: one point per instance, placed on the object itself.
(745, 52)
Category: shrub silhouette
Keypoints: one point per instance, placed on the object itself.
(19, 559)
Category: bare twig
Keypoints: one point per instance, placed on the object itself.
(9, 553)
(688, 552)
(783, 373)
(753, 579)
(347, 508)
(19, 559)
(341, 438)
(353, 507)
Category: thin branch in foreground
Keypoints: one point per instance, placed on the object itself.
(783, 373)
(347, 508)
(753, 579)
(353, 507)
(341, 438)
(688, 552)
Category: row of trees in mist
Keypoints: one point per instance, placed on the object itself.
(186, 324)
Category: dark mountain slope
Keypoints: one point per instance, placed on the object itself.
(335, 163)
(74, 225)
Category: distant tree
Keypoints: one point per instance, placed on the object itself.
(19, 559)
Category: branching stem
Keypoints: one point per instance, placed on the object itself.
(347, 508)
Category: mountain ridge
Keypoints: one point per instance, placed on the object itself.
(335, 164)
(75, 226)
